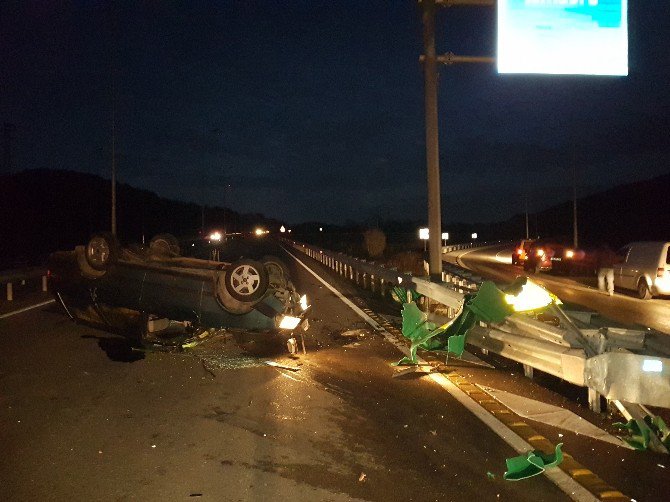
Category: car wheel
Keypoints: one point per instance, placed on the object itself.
(165, 244)
(102, 250)
(246, 280)
(278, 273)
(643, 292)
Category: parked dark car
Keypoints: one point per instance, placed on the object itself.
(125, 289)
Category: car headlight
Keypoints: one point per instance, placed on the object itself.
(289, 322)
(303, 303)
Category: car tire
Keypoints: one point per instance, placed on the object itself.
(643, 292)
(165, 245)
(278, 273)
(101, 251)
(246, 280)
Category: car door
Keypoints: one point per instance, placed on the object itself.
(619, 267)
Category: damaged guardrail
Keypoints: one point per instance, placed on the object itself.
(624, 366)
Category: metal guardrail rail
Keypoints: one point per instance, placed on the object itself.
(627, 367)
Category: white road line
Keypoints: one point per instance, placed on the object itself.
(26, 309)
(568, 485)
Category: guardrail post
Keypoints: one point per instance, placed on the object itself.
(44, 283)
(382, 287)
(594, 400)
(365, 281)
(528, 371)
(372, 283)
(10, 292)
(358, 277)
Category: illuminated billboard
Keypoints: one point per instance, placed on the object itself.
(577, 37)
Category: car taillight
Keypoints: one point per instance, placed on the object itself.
(540, 252)
(519, 251)
(569, 253)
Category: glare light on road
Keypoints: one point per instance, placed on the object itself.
(215, 236)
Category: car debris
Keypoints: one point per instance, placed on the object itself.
(532, 463)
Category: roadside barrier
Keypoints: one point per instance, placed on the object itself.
(629, 368)
(19, 277)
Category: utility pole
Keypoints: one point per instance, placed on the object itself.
(575, 240)
(113, 165)
(114, 42)
(526, 205)
(430, 61)
(432, 144)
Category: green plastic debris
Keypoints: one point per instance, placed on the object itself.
(419, 331)
(399, 294)
(640, 433)
(489, 304)
(531, 464)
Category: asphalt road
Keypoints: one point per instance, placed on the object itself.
(494, 262)
(82, 417)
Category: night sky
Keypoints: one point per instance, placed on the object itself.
(313, 110)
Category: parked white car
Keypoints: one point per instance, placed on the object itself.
(645, 269)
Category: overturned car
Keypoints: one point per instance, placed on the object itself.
(138, 291)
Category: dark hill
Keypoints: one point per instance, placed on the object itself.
(46, 210)
(635, 211)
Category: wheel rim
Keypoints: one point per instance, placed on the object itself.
(642, 289)
(245, 280)
(98, 250)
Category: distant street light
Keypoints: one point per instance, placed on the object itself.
(474, 235)
(424, 235)
(282, 229)
(445, 237)
(320, 229)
